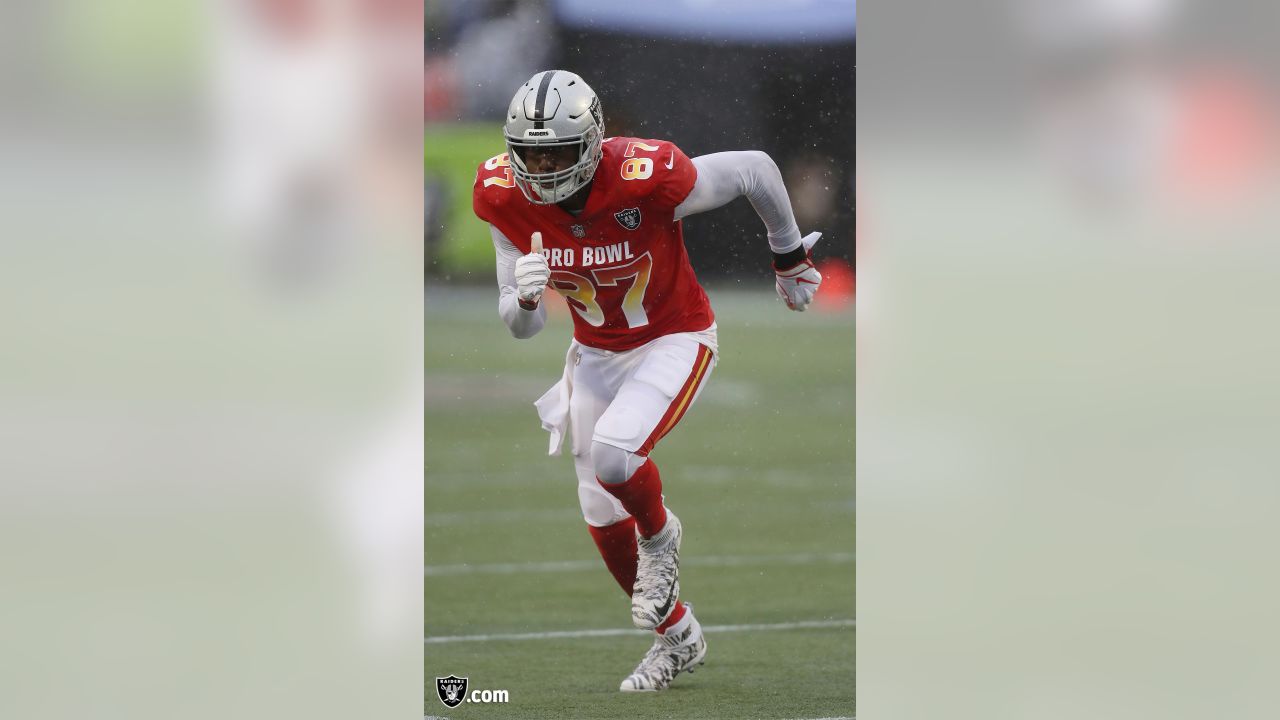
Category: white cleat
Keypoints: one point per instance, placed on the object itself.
(676, 651)
(657, 585)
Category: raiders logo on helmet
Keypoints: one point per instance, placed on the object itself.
(595, 112)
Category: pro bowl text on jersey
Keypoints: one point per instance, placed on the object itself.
(566, 257)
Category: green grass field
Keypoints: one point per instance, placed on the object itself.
(760, 471)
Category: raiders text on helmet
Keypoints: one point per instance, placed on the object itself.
(554, 108)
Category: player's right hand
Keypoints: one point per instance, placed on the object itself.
(532, 274)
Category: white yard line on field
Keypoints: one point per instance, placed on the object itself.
(613, 632)
(587, 565)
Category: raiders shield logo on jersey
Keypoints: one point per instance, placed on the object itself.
(452, 690)
(629, 218)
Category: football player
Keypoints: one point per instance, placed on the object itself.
(598, 220)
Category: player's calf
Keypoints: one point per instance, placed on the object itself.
(617, 546)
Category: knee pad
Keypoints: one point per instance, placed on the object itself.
(599, 508)
(613, 464)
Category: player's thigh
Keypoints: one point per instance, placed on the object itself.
(656, 394)
(596, 380)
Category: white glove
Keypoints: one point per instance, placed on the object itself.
(798, 284)
(532, 274)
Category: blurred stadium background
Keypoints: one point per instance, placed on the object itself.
(762, 468)
(710, 76)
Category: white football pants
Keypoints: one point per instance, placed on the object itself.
(623, 403)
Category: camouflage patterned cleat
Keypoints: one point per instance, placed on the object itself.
(677, 651)
(657, 586)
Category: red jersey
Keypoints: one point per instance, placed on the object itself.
(621, 263)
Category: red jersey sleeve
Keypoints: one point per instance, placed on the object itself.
(479, 205)
(674, 175)
(492, 188)
(653, 170)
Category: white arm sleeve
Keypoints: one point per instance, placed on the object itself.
(722, 177)
(522, 323)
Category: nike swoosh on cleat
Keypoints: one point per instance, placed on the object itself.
(665, 610)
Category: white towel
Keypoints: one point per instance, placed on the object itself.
(553, 406)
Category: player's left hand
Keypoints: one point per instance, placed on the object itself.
(798, 283)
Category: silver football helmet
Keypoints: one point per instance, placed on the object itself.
(554, 108)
